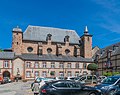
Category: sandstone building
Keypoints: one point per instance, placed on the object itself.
(108, 58)
(46, 52)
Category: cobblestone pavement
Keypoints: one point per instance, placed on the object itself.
(16, 88)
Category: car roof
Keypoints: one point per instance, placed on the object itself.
(117, 76)
(55, 81)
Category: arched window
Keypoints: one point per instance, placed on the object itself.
(30, 49)
(67, 51)
(49, 50)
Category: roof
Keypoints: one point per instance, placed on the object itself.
(7, 55)
(17, 29)
(103, 51)
(38, 33)
(50, 57)
(46, 57)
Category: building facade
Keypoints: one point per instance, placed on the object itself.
(108, 59)
(46, 52)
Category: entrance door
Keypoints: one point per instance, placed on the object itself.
(6, 74)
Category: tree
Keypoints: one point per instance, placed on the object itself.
(1, 50)
(92, 67)
(52, 73)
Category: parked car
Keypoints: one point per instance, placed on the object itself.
(109, 85)
(100, 79)
(1, 80)
(67, 87)
(6, 80)
(42, 79)
(86, 79)
(117, 93)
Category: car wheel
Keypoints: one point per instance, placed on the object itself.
(112, 92)
(92, 93)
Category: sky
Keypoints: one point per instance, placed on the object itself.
(102, 17)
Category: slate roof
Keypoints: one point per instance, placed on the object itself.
(103, 51)
(50, 57)
(47, 57)
(7, 55)
(38, 33)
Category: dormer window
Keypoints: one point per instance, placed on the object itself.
(109, 54)
(66, 38)
(102, 52)
(48, 37)
(115, 47)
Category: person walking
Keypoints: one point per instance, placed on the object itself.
(36, 88)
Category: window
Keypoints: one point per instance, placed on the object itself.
(49, 50)
(76, 73)
(36, 73)
(69, 73)
(36, 65)
(44, 73)
(28, 64)
(28, 74)
(84, 65)
(52, 65)
(61, 74)
(48, 37)
(60, 85)
(44, 65)
(77, 66)
(30, 49)
(6, 64)
(88, 39)
(66, 39)
(67, 51)
(61, 65)
(69, 65)
(40, 52)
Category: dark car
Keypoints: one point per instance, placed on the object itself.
(109, 85)
(67, 87)
(117, 93)
(6, 80)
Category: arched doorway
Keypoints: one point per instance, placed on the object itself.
(6, 74)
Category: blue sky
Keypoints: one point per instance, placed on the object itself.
(101, 16)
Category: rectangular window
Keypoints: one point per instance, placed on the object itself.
(69, 73)
(36, 65)
(84, 66)
(28, 64)
(36, 73)
(69, 65)
(77, 66)
(6, 64)
(52, 65)
(61, 65)
(44, 73)
(28, 74)
(76, 73)
(61, 74)
(44, 65)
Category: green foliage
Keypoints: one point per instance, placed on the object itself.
(1, 50)
(92, 67)
(52, 73)
(110, 73)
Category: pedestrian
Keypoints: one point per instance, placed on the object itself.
(36, 88)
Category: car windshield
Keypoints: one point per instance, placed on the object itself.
(110, 80)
